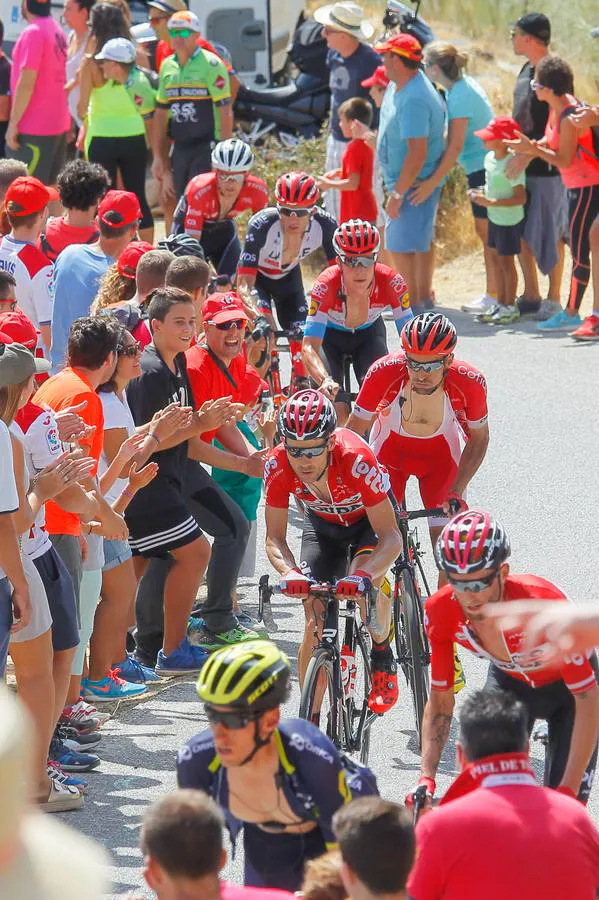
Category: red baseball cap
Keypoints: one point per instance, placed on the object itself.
(251, 388)
(219, 308)
(19, 328)
(124, 204)
(378, 77)
(502, 128)
(131, 255)
(403, 45)
(27, 195)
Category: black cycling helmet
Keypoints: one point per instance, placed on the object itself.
(181, 245)
(307, 416)
(429, 332)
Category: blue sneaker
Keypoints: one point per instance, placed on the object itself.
(194, 623)
(109, 689)
(186, 658)
(561, 321)
(56, 774)
(71, 760)
(133, 671)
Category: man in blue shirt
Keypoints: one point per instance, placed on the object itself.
(78, 269)
(350, 62)
(411, 142)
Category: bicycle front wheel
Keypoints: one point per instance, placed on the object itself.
(320, 701)
(410, 640)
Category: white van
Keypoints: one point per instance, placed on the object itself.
(256, 34)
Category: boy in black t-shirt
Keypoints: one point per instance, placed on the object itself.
(158, 517)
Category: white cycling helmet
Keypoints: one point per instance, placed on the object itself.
(232, 155)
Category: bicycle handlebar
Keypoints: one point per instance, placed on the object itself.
(419, 800)
(435, 511)
(321, 588)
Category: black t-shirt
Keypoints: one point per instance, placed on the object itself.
(346, 75)
(155, 388)
(531, 114)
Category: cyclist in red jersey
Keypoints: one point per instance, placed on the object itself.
(214, 199)
(473, 550)
(344, 491)
(425, 405)
(345, 317)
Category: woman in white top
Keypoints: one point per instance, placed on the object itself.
(76, 17)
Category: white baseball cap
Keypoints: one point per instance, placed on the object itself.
(118, 50)
(184, 20)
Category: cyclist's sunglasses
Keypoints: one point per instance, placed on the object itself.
(230, 176)
(181, 33)
(292, 211)
(309, 452)
(365, 262)
(473, 587)
(240, 324)
(427, 367)
(229, 718)
(131, 351)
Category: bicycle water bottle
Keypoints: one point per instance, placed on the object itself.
(348, 671)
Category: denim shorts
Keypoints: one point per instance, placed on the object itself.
(412, 230)
(5, 620)
(115, 554)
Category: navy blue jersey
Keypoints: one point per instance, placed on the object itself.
(263, 247)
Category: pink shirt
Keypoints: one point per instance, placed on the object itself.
(43, 47)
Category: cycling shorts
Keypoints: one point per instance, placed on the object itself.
(327, 547)
(277, 860)
(288, 295)
(555, 704)
(221, 245)
(363, 347)
(435, 469)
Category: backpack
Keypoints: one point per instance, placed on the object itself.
(594, 131)
(309, 50)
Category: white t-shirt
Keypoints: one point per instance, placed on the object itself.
(116, 415)
(9, 498)
(33, 274)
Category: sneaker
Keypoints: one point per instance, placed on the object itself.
(480, 306)
(210, 641)
(186, 658)
(487, 316)
(76, 741)
(133, 671)
(71, 760)
(459, 679)
(62, 798)
(561, 321)
(111, 688)
(589, 330)
(83, 716)
(195, 623)
(385, 690)
(547, 309)
(245, 619)
(56, 774)
(527, 306)
(505, 315)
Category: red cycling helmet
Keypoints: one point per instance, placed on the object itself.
(296, 189)
(471, 542)
(356, 238)
(307, 416)
(429, 332)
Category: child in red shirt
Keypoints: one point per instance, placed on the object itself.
(354, 178)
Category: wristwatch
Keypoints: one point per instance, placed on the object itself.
(395, 195)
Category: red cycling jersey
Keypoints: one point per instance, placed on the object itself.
(446, 623)
(200, 203)
(328, 306)
(355, 480)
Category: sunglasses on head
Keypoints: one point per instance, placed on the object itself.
(181, 33)
(229, 718)
(233, 323)
(131, 350)
(298, 213)
(427, 367)
(473, 587)
(355, 262)
(309, 452)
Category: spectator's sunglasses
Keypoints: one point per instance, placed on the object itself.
(130, 351)
(309, 452)
(180, 33)
(229, 718)
(472, 587)
(355, 262)
(292, 211)
(427, 367)
(536, 85)
(240, 324)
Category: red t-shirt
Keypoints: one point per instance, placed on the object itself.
(209, 382)
(164, 50)
(58, 234)
(359, 204)
(510, 838)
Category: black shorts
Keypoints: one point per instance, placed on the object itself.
(328, 548)
(477, 180)
(288, 295)
(364, 347)
(555, 704)
(193, 158)
(505, 239)
(61, 600)
(165, 527)
(221, 246)
(277, 860)
(43, 154)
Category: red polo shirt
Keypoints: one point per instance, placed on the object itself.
(208, 380)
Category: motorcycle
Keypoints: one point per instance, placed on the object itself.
(399, 16)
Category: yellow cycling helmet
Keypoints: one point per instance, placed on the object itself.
(253, 675)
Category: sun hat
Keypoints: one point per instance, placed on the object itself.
(346, 17)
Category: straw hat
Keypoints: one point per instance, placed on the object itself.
(347, 17)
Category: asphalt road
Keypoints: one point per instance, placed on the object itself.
(539, 478)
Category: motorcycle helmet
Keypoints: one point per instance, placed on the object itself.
(232, 155)
(429, 332)
(296, 189)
